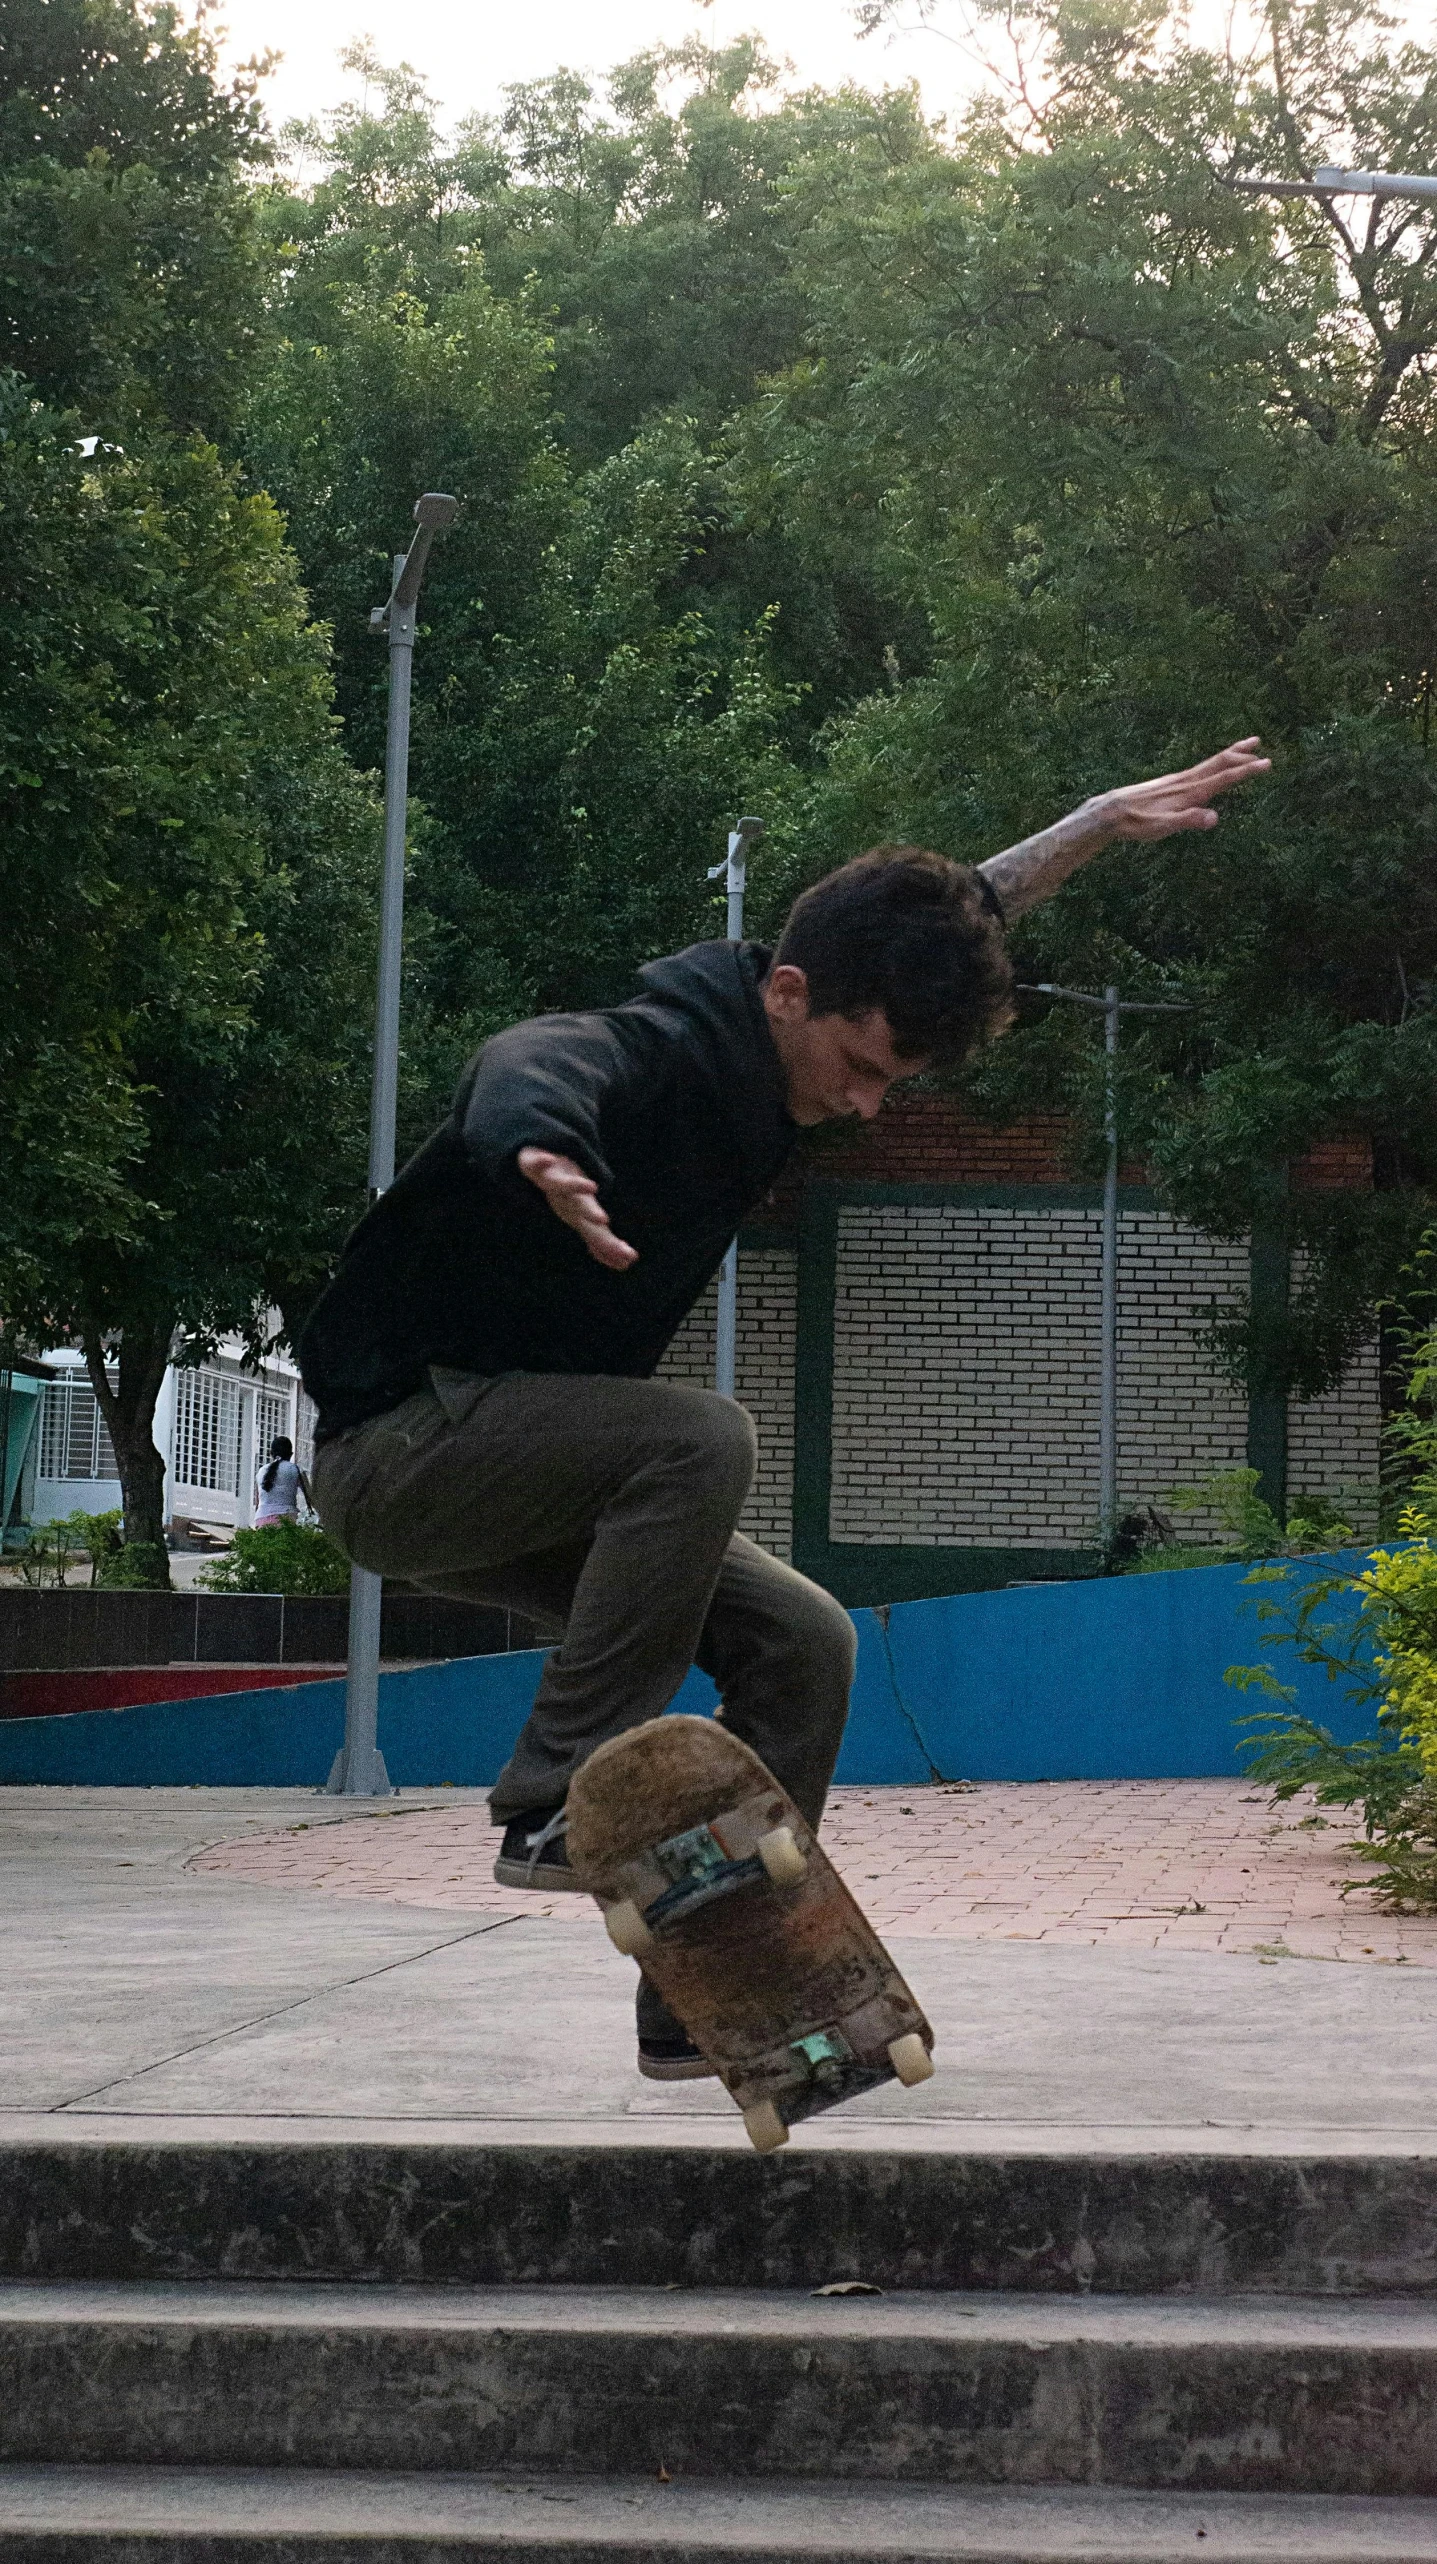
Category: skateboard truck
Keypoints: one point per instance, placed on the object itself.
(824, 2055)
(699, 1869)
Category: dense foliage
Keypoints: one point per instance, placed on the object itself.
(184, 846)
(279, 1558)
(907, 485)
(890, 479)
(1372, 1628)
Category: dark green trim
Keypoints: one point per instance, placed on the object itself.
(780, 1236)
(859, 1572)
(856, 1573)
(813, 1379)
(1269, 1284)
(1008, 1197)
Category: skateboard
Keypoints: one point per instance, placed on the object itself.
(709, 1877)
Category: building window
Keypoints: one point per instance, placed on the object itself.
(74, 1437)
(271, 1417)
(207, 1431)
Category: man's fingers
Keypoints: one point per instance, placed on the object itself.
(1214, 774)
(606, 1249)
(595, 1228)
(573, 1197)
(1169, 804)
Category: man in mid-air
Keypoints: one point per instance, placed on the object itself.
(489, 1423)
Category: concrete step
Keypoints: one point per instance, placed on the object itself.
(660, 2206)
(172, 2515)
(1250, 2394)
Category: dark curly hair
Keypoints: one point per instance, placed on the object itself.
(906, 930)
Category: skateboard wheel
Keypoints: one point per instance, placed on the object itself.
(766, 2129)
(781, 1857)
(627, 1929)
(909, 2058)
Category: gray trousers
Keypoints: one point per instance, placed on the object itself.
(605, 1509)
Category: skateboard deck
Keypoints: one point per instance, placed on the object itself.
(708, 1875)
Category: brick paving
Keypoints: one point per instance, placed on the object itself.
(1172, 1865)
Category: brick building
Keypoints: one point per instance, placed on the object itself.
(918, 1346)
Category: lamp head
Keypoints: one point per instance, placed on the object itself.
(436, 510)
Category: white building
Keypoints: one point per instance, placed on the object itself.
(213, 1424)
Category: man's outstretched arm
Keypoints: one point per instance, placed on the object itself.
(1024, 874)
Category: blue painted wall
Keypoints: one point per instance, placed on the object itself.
(1118, 1679)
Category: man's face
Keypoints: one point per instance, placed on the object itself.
(834, 1064)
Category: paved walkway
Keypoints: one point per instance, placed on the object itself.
(1174, 1865)
(148, 1978)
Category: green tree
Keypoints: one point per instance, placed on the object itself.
(127, 231)
(186, 870)
(1157, 461)
(185, 850)
(582, 731)
(650, 231)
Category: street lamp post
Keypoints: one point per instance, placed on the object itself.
(1113, 1009)
(734, 867)
(358, 1770)
(1328, 181)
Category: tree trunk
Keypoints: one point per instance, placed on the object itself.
(127, 1404)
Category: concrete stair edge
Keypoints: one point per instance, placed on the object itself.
(147, 2515)
(1258, 2395)
(1137, 2221)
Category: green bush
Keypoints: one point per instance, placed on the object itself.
(136, 1566)
(51, 1548)
(102, 1536)
(1384, 1654)
(280, 1558)
(1250, 1527)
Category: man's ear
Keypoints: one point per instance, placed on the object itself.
(785, 994)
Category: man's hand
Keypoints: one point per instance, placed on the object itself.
(1173, 802)
(573, 1197)
(1024, 874)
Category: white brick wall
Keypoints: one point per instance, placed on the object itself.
(1334, 1442)
(764, 1366)
(966, 1378)
(966, 1372)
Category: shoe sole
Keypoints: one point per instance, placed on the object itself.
(542, 1874)
(674, 2069)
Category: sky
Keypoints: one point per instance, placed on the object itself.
(468, 50)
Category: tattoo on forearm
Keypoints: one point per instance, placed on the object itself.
(1034, 869)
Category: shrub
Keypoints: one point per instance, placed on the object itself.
(51, 1548)
(1251, 1529)
(1384, 1652)
(280, 1558)
(102, 1537)
(136, 1566)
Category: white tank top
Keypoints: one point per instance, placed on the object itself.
(282, 1495)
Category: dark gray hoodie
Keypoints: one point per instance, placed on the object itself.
(674, 1103)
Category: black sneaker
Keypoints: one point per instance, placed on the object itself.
(534, 1853)
(672, 2061)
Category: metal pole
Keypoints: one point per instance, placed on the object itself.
(384, 1102)
(1108, 1392)
(726, 1336)
(735, 871)
(359, 1770)
(1114, 1008)
(1330, 181)
(7, 1377)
